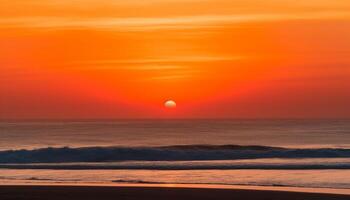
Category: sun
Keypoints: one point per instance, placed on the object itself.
(170, 104)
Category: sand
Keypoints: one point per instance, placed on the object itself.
(152, 193)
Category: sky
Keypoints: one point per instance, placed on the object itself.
(214, 58)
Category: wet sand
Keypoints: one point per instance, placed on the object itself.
(152, 193)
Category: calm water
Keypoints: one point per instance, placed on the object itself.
(313, 153)
(285, 133)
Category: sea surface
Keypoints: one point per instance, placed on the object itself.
(287, 153)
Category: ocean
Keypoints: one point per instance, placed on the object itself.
(286, 153)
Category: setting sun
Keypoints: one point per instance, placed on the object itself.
(170, 104)
(218, 58)
(174, 99)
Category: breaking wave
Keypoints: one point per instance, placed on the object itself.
(165, 153)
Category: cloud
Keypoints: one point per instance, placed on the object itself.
(163, 63)
(162, 60)
(147, 23)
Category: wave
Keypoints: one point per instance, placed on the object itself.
(165, 153)
(275, 163)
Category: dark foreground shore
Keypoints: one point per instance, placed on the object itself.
(151, 193)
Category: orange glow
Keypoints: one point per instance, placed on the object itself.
(106, 59)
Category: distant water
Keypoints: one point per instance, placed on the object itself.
(300, 153)
(280, 133)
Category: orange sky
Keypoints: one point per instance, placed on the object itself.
(215, 58)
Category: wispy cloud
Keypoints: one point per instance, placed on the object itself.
(133, 23)
(169, 77)
(172, 59)
(164, 63)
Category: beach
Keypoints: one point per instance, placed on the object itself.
(31, 192)
(211, 152)
(174, 100)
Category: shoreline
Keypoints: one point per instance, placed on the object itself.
(169, 192)
(312, 190)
